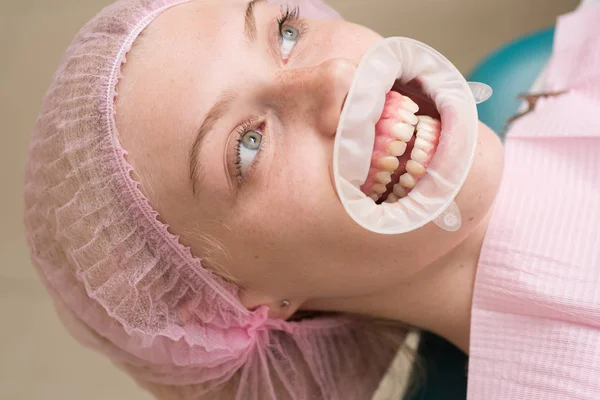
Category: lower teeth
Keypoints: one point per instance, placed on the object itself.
(415, 169)
(390, 175)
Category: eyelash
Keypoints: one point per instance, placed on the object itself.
(251, 124)
(288, 15)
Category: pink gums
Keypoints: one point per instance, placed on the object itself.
(383, 136)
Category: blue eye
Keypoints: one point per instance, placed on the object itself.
(289, 33)
(289, 37)
(248, 148)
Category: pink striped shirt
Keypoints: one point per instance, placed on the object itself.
(535, 330)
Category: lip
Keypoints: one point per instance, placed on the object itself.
(420, 72)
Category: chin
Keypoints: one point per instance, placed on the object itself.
(481, 187)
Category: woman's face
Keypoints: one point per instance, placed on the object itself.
(230, 129)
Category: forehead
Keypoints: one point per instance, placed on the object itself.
(184, 49)
(179, 65)
(173, 75)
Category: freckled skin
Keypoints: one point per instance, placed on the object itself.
(283, 233)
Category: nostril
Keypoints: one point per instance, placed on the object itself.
(344, 103)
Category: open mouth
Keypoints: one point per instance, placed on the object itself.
(406, 138)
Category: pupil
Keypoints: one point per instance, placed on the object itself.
(289, 32)
(252, 140)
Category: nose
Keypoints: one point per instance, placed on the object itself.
(318, 93)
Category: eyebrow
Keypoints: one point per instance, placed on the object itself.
(250, 24)
(216, 113)
(222, 105)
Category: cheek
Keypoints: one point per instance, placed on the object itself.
(297, 199)
(307, 172)
(294, 189)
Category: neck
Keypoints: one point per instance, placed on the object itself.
(438, 299)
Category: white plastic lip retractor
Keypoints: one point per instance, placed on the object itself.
(432, 200)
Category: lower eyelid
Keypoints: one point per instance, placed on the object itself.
(298, 45)
(275, 38)
(253, 124)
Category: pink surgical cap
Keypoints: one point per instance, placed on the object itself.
(122, 282)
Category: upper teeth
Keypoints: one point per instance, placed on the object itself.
(403, 132)
(383, 177)
(408, 116)
(379, 188)
(389, 163)
(396, 148)
(427, 131)
(410, 105)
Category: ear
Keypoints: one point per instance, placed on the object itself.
(279, 308)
